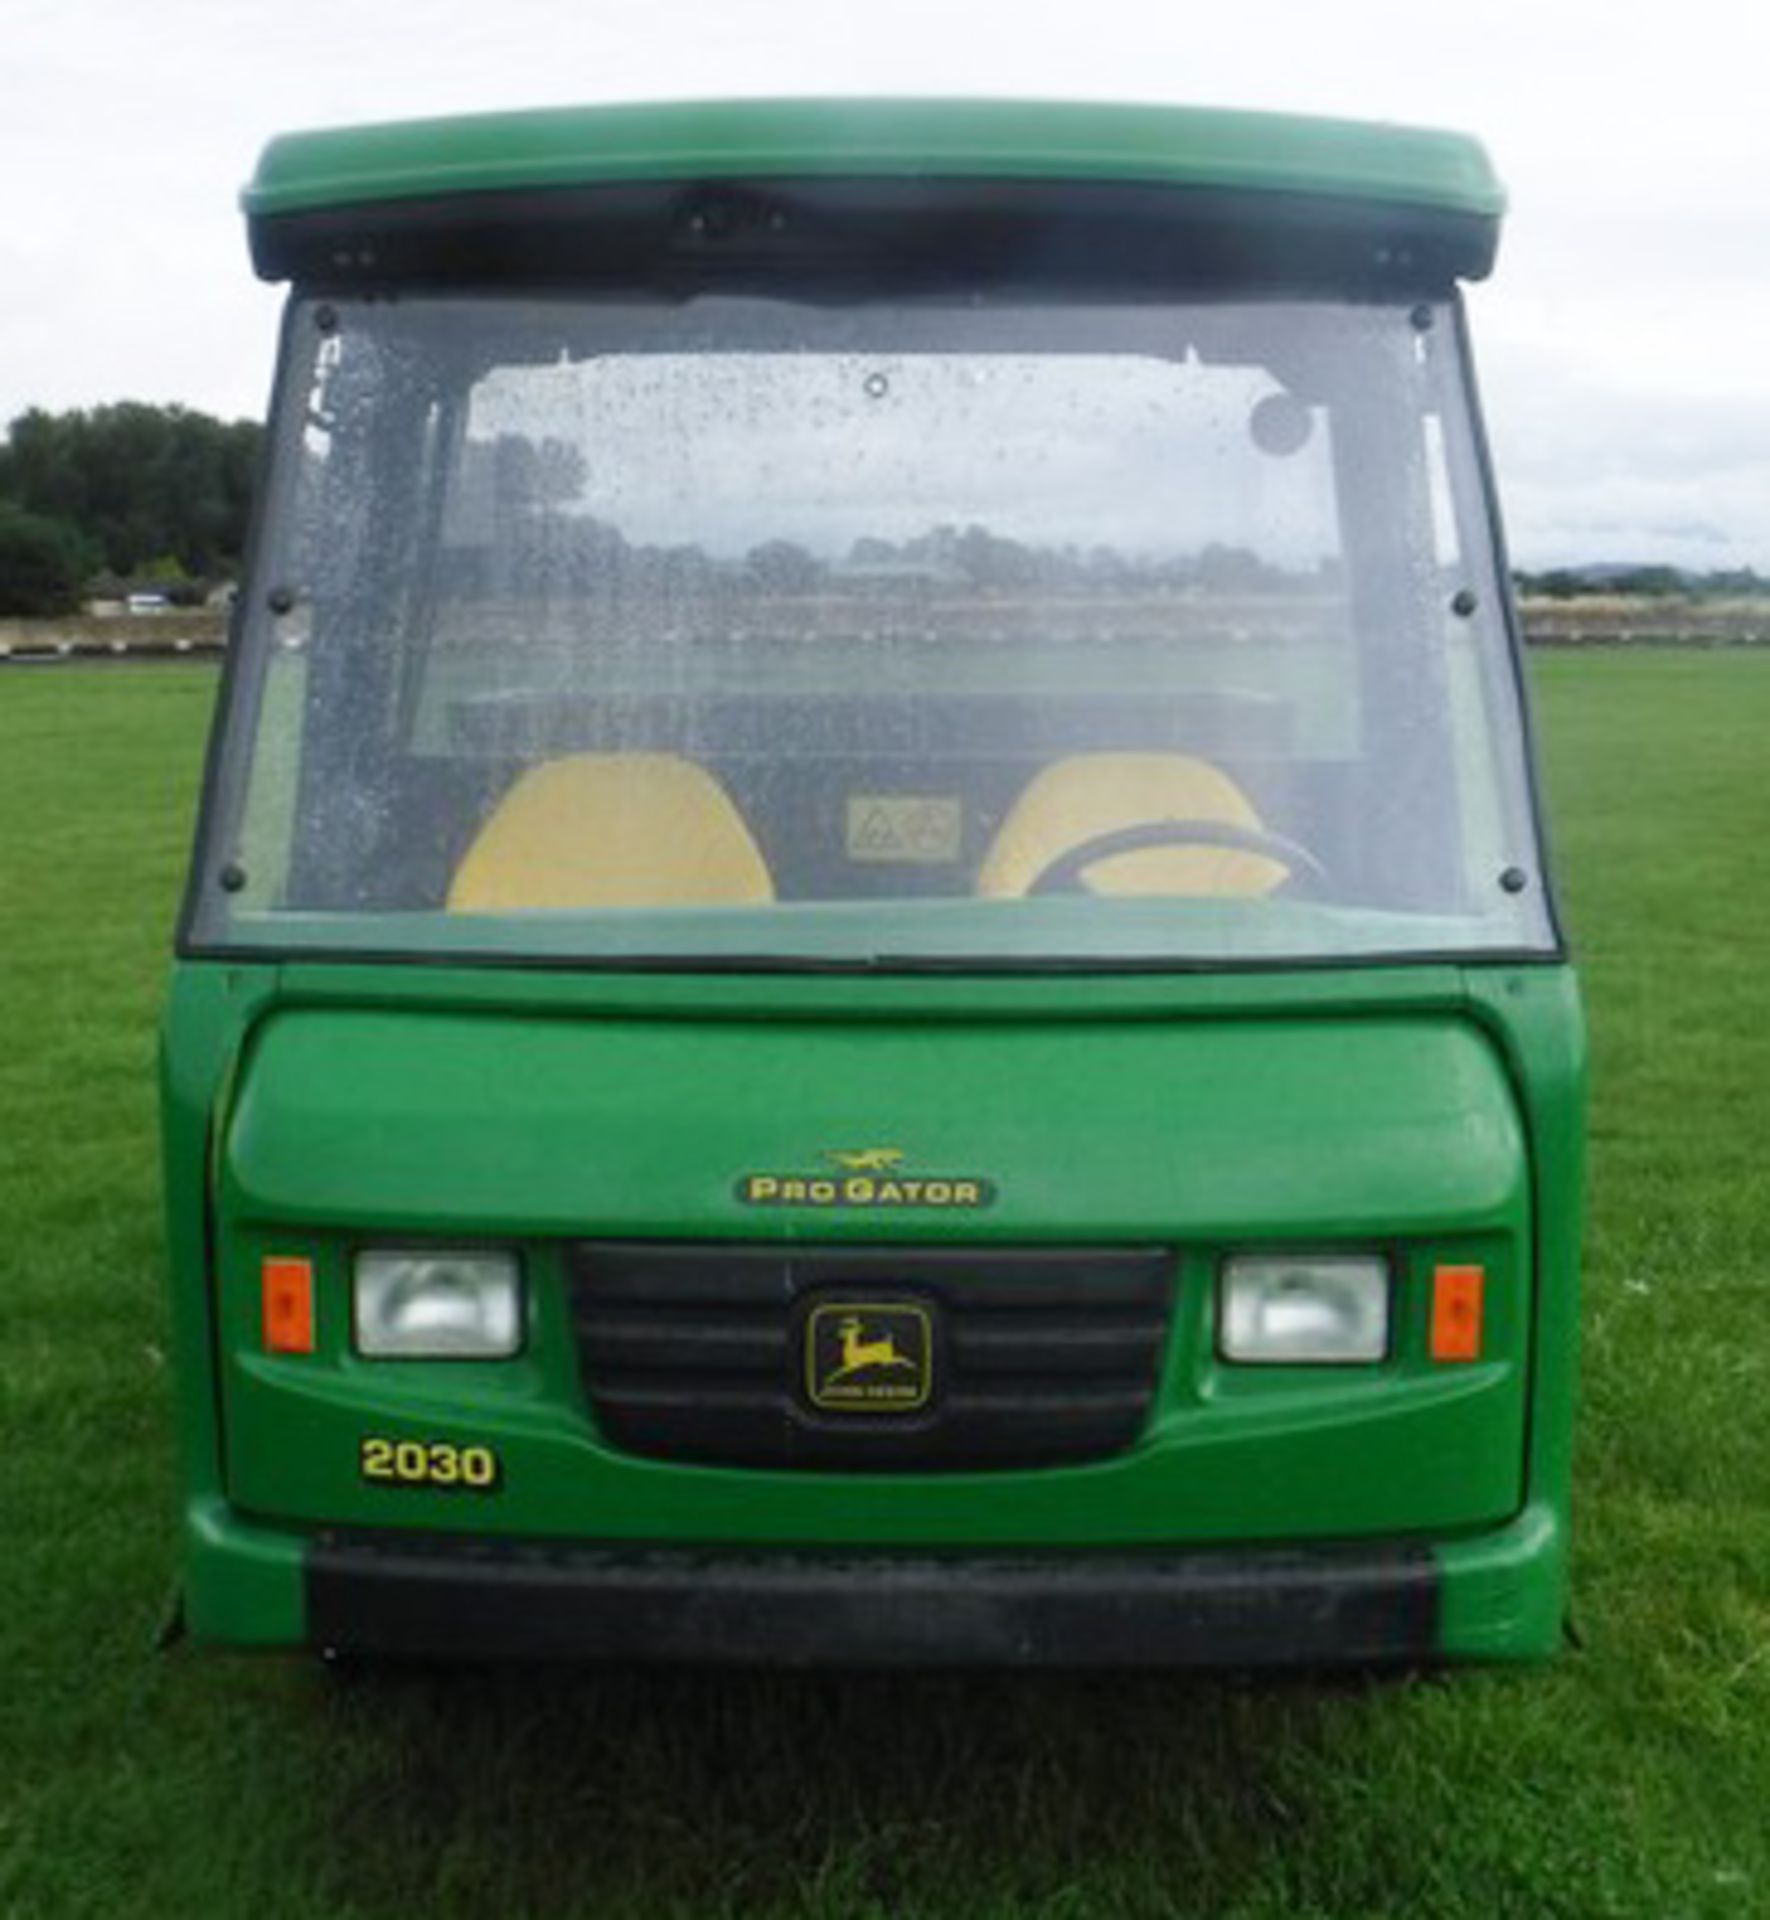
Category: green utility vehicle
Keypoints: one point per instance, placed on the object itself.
(868, 975)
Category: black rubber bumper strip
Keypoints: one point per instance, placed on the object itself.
(376, 1594)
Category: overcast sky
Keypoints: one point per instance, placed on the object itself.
(1624, 342)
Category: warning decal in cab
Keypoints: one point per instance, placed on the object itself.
(917, 829)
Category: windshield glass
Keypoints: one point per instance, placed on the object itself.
(749, 630)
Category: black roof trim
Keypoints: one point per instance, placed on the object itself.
(844, 238)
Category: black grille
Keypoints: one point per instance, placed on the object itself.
(1041, 1357)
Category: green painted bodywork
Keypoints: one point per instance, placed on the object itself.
(773, 139)
(1427, 1110)
(1433, 1111)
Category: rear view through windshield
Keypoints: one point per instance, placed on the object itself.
(746, 630)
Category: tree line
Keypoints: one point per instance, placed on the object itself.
(122, 496)
(132, 495)
(1647, 582)
(510, 489)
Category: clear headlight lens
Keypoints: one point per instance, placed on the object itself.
(438, 1305)
(1308, 1310)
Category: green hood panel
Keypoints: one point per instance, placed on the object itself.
(441, 1123)
(1398, 1129)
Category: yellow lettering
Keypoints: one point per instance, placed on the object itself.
(861, 1190)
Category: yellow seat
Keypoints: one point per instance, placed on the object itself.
(1076, 800)
(612, 830)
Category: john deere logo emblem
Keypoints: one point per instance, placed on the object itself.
(864, 1177)
(868, 1357)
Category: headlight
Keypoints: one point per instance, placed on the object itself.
(438, 1305)
(1310, 1310)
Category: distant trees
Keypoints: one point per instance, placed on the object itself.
(976, 557)
(504, 537)
(43, 563)
(781, 566)
(123, 489)
(1648, 582)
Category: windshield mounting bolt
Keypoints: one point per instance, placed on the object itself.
(1514, 880)
(1463, 602)
(280, 600)
(232, 877)
(325, 318)
(1422, 318)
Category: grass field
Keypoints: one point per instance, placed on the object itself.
(1632, 1778)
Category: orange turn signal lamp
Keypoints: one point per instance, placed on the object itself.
(288, 1304)
(1458, 1300)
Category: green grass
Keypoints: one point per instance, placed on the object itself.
(1633, 1777)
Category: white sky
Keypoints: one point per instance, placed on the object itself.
(1624, 341)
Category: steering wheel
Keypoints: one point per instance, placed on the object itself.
(1065, 873)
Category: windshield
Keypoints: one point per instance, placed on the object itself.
(753, 631)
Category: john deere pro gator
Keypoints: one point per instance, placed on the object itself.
(868, 974)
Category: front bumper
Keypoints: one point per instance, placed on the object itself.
(382, 1595)
(1493, 1596)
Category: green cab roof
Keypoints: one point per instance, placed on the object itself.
(781, 139)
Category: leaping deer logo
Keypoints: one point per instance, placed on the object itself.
(859, 1353)
(864, 1159)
